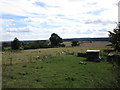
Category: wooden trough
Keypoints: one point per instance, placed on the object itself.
(81, 54)
(93, 55)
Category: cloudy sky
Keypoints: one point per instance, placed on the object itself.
(38, 19)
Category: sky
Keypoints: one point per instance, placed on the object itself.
(38, 19)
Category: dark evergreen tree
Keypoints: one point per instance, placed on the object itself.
(15, 44)
(55, 40)
(115, 37)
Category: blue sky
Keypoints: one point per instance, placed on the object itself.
(41, 4)
(38, 19)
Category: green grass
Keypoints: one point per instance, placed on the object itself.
(58, 70)
(29, 55)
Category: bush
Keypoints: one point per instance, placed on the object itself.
(75, 43)
(21, 48)
(7, 49)
(62, 45)
(36, 45)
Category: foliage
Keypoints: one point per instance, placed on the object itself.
(62, 45)
(55, 40)
(35, 45)
(115, 38)
(75, 43)
(15, 44)
(6, 45)
(7, 49)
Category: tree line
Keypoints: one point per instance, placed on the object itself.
(57, 41)
(54, 41)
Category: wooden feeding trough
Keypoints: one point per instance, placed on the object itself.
(93, 55)
(81, 54)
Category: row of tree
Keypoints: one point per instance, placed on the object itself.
(55, 41)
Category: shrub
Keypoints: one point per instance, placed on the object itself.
(75, 43)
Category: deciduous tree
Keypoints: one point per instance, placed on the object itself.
(55, 40)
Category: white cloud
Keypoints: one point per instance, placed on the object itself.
(19, 7)
(65, 17)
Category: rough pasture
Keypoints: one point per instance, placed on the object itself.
(94, 44)
(61, 69)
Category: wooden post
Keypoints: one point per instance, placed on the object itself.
(11, 61)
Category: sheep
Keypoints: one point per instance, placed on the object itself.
(83, 63)
(41, 58)
(38, 57)
(45, 57)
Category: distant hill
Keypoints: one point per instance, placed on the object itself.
(72, 39)
(78, 39)
(87, 39)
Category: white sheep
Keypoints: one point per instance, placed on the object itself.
(38, 57)
(83, 63)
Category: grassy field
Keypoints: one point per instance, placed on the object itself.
(56, 68)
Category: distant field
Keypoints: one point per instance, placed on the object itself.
(99, 44)
(56, 68)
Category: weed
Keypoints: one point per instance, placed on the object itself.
(24, 66)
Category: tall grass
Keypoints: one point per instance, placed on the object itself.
(60, 69)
